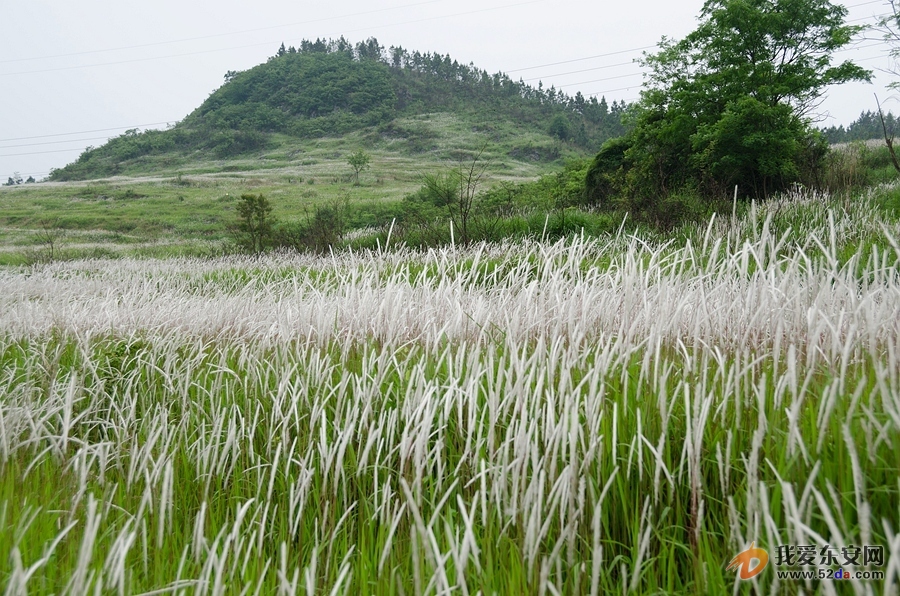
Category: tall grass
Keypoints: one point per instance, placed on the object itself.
(588, 416)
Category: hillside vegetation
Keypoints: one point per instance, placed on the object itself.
(331, 88)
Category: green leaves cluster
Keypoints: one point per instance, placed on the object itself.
(309, 85)
(359, 161)
(728, 105)
(254, 230)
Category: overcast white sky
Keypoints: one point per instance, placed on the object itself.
(108, 65)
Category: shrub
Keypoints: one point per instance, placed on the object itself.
(254, 230)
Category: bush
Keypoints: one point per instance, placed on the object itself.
(605, 177)
(229, 143)
(323, 229)
(254, 230)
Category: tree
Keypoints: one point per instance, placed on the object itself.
(730, 103)
(256, 223)
(359, 161)
(777, 51)
(560, 127)
(49, 236)
(456, 193)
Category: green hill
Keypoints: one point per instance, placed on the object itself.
(333, 88)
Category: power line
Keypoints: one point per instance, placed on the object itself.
(578, 71)
(186, 39)
(581, 59)
(133, 60)
(269, 43)
(42, 152)
(874, 16)
(644, 48)
(865, 3)
(636, 74)
(596, 93)
(53, 142)
(84, 132)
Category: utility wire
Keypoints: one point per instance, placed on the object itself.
(270, 43)
(53, 142)
(596, 93)
(635, 74)
(581, 59)
(214, 35)
(578, 71)
(544, 77)
(42, 152)
(84, 132)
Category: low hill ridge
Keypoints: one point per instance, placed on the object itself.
(332, 87)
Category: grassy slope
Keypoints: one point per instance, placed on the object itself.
(161, 208)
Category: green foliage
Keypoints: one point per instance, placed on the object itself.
(755, 145)
(229, 143)
(727, 104)
(303, 85)
(605, 178)
(322, 230)
(453, 194)
(776, 52)
(255, 226)
(849, 168)
(560, 127)
(868, 126)
(359, 161)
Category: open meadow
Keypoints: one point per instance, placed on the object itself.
(588, 416)
(165, 206)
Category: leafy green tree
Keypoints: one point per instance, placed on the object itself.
(560, 127)
(777, 51)
(728, 104)
(255, 224)
(754, 144)
(359, 161)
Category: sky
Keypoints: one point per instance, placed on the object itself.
(73, 74)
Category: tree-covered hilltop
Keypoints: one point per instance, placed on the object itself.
(332, 87)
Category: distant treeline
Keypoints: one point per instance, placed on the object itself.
(867, 126)
(328, 87)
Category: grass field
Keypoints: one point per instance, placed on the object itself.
(611, 415)
(172, 205)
